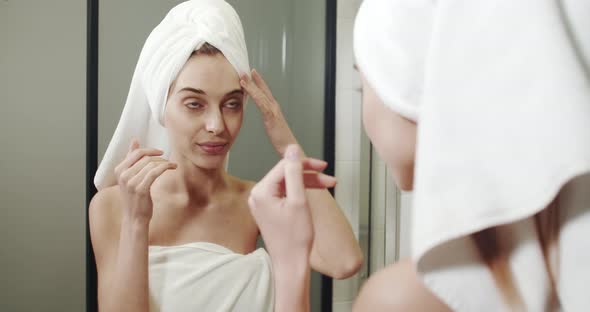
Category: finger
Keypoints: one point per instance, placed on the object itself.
(246, 83)
(314, 164)
(271, 182)
(252, 89)
(134, 145)
(261, 84)
(139, 165)
(294, 185)
(154, 173)
(313, 180)
(316, 180)
(135, 156)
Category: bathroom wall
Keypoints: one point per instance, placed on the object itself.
(42, 158)
(377, 210)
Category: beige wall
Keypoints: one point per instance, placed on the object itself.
(42, 155)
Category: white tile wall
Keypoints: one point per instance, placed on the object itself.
(405, 225)
(348, 140)
(348, 125)
(346, 191)
(346, 76)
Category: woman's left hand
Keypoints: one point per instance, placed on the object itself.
(274, 122)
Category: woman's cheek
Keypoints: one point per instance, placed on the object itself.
(233, 120)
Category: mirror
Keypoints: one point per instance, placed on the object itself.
(286, 43)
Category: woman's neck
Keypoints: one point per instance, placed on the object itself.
(198, 184)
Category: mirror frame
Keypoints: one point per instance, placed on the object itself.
(92, 24)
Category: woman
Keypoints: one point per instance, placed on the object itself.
(483, 109)
(171, 229)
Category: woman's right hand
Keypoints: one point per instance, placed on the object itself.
(279, 205)
(135, 176)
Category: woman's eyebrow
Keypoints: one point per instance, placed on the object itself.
(235, 92)
(199, 91)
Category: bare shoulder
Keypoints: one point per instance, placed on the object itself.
(397, 287)
(241, 185)
(105, 205)
(105, 219)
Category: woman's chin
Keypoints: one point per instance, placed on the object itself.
(210, 162)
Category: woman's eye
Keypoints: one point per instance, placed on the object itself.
(233, 105)
(194, 105)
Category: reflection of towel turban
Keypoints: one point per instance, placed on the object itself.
(503, 94)
(185, 29)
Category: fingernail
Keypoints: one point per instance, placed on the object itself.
(292, 152)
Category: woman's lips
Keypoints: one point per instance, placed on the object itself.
(213, 148)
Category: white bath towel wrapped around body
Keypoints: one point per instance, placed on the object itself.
(202, 276)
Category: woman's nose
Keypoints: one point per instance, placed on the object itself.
(214, 123)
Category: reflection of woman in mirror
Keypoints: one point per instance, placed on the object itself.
(488, 122)
(171, 229)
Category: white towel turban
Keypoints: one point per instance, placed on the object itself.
(184, 29)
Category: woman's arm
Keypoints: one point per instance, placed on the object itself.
(119, 228)
(120, 248)
(292, 286)
(397, 287)
(279, 205)
(335, 250)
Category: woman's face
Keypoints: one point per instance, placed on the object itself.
(393, 136)
(204, 110)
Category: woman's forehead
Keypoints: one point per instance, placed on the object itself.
(210, 73)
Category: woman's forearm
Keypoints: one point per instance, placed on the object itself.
(130, 282)
(279, 132)
(292, 286)
(335, 250)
